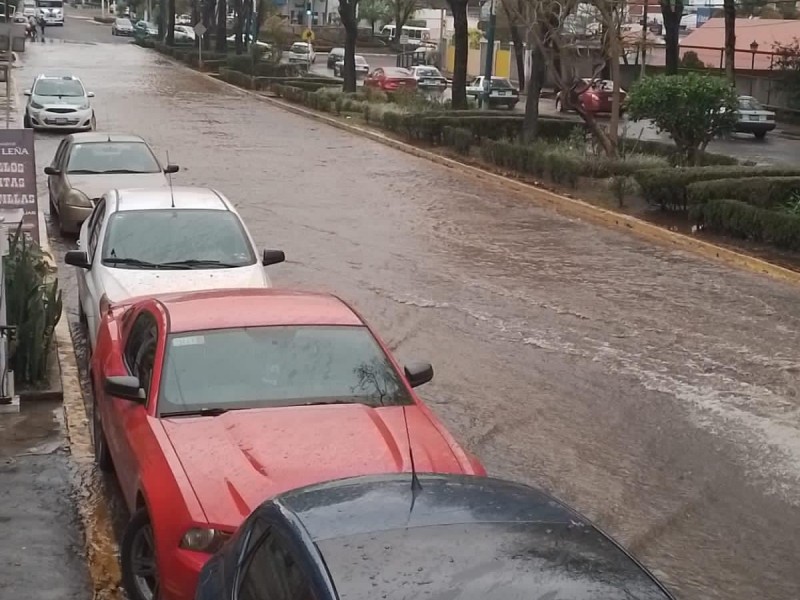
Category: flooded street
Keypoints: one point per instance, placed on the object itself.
(654, 391)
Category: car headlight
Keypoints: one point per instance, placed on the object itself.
(36, 105)
(84, 106)
(202, 539)
(78, 198)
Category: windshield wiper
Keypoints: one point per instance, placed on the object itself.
(119, 171)
(197, 263)
(113, 260)
(84, 172)
(198, 412)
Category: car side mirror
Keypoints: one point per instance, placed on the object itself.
(90, 94)
(273, 257)
(51, 171)
(27, 92)
(418, 373)
(77, 258)
(172, 169)
(126, 387)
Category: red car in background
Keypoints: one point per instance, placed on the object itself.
(594, 94)
(208, 403)
(391, 79)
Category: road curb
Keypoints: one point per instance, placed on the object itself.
(561, 204)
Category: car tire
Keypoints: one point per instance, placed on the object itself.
(138, 548)
(560, 106)
(53, 207)
(102, 455)
(26, 121)
(93, 124)
(760, 135)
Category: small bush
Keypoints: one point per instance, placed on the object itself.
(764, 192)
(671, 153)
(668, 187)
(459, 138)
(742, 220)
(622, 186)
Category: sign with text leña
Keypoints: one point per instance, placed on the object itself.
(18, 179)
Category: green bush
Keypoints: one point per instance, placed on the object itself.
(763, 192)
(671, 153)
(244, 63)
(668, 187)
(459, 138)
(33, 304)
(742, 220)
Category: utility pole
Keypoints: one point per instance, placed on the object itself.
(644, 36)
(487, 71)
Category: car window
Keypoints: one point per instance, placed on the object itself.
(140, 349)
(65, 88)
(428, 72)
(112, 157)
(166, 236)
(252, 367)
(95, 225)
(299, 49)
(360, 60)
(501, 83)
(273, 573)
(59, 156)
(396, 72)
(747, 103)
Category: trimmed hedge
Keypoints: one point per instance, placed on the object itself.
(424, 126)
(668, 187)
(763, 192)
(458, 138)
(742, 220)
(244, 64)
(670, 152)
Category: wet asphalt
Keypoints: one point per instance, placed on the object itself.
(654, 391)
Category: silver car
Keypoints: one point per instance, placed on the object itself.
(362, 68)
(753, 117)
(59, 102)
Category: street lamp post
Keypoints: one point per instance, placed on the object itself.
(753, 50)
(487, 75)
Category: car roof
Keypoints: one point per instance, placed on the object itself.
(163, 198)
(254, 307)
(95, 136)
(64, 76)
(371, 525)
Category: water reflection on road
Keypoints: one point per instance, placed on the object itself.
(655, 391)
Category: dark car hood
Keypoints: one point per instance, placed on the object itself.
(95, 186)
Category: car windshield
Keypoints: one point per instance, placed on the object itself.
(392, 72)
(254, 367)
(360, 60)
(124, 22)
(179, 239)
(428, 72)
(337, 52)
(501, 83)
(482, 561)
(59, 87)
(299, 49)
(50, 3)
(112, 157)
(748, 103)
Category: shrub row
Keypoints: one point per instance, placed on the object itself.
(745, 221)
(244, 63)
(459, 138)
(763, 192)
(670, 152)
(668, 187)
(561, 164)
(236, 78)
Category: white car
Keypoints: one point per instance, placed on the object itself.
(138, 242)
(184, 34)
(753, 117)
(59, 102)
(362, 67)
(302, 52)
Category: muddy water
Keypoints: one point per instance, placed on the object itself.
(656, 392)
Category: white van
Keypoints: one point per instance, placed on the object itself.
(51, 10)
(29, 8)
(416, 35)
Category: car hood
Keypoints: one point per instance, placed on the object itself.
(121, 284)
(95, 186)
(70, 101)
(237, 460)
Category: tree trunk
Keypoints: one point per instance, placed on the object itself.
(208, 13)
(530, 124)
(729, 9)
(613, 56)
(519, 48)
(347, 10)
(672, 11)
(171, 23)
(238, 27)
(461, 38)
(222, 26)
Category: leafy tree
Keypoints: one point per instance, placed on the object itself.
(691, 60)
(461, 42)
(375, 11)
(402, 11)
(692, 108)
(672, 12)
(347, 11)
(787, 63)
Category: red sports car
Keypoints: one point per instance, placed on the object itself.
(208, 403)
(391, 79)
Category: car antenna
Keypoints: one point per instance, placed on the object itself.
(169, 176)
(416, 486)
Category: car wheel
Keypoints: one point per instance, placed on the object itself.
(138, 558)
(53, 208)
(760, 135)
(26, 121)
(93, 125)
(102, 456)
(560, 105)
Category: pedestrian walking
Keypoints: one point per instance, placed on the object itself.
(42, 25)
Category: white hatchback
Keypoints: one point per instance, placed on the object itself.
(59, 102)
(151, 241)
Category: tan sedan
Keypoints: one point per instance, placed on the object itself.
(87, 165)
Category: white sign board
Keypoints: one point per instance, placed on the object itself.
(200, 29)
(404, 40)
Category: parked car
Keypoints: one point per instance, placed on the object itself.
(391, 79)
(86, 165)
(501, 92)
(267, 47)
(122, 26)
(334, 55)
(302, 52)
(184, 34)
(147, 241)
(595, 95)
(429, 79)
(754, 118)
(183, 20)
(362, 68)
(208, 403)
(59, 102)
(451, 536)
(144, 30)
